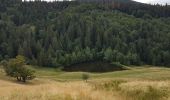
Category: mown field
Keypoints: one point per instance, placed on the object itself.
(137, 83)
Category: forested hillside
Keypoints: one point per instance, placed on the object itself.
(65, 33)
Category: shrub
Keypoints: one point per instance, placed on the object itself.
(85, 77)
(17, 68)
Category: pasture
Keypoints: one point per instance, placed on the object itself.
(137, 83)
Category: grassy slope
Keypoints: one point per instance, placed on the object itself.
(138, 83)
(144, 72)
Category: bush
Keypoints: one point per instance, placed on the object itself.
(85, 77)
(17, 68)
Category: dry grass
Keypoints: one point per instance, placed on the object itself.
(136, 89)
(135, 84)
(52, 91)
(146, 90)
(92, 90)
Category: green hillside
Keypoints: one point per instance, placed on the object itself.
(66, 33)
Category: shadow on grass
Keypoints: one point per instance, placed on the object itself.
(98, 66)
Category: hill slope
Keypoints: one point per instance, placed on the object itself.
(67, 33)
(144, 82)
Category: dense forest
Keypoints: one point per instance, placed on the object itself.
(65, 33)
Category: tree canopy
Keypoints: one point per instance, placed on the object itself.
(57, 34)
(17, 68)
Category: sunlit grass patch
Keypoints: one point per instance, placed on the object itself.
(146, 90)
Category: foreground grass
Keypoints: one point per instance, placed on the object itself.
(144, 83)
(51, 91)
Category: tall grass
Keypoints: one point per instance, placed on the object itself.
(135, 84)
(52, 91)
(137, 90)
(91, 90)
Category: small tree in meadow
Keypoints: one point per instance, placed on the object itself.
(17, 68)
(85, 77)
